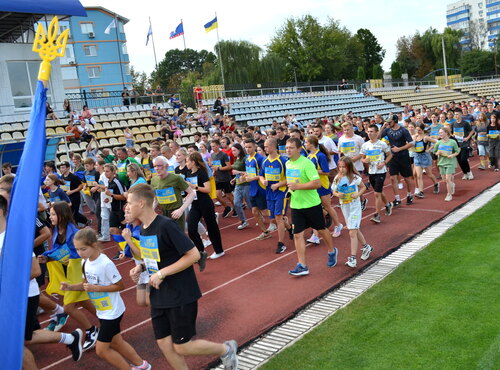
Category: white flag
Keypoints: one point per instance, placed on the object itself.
(107, 31)
(150, 33)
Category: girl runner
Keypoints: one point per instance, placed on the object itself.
(103, 283)
(348, 187)
(423, 160)
(481, 129)
(56, 194)
(447, 150)
(494, 140)
(242, 188)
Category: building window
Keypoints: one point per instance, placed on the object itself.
(124, 48)
(480, 5)
(87, 27)
(69, 73)
(23, 78)
(127, 69)
(120, 27)
(94, 72)
(90, 50)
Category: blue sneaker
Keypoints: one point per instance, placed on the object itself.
(52, 324)
(299, 270)
(62, 318)
(332, 258)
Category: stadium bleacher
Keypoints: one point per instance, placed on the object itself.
(485, 88)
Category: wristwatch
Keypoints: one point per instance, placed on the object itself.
(196, 187)
(160, 276)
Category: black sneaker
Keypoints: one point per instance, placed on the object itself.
(388, 209)
(116, 257)
(290, 233)
(202, 262)
(281, 248)
(234, 213)
(409, 200)
(420, 194)
(76, 346)
(364, 202)
(90, 338)
(436, 188)
(396, 203)
(226, 212)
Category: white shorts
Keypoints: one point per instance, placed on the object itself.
(352, 214)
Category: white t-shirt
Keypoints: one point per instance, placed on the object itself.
(102, 271)
(350, 147)
(376, 153)
(346, 188)
(172, 163)
(103, 180)
(33, 289)
(330, 145)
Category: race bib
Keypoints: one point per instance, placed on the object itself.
(149, 248)
(434, 132)
(374, 155)
(100, 300)
(347, 191)
(238, 179)
(481, 136)
(171, 169)
(151, 266)
(216, 163)
(459, 133)
(251, 171)
(272, 174)
(493, 134)
(385, 139)
(54, 199)
(293, 176)
(90, 180)
(419, 146)
(122, 167)
(166, 196)
(66, 187)
(446, 150)
(282, 149)
(194, 181)
(347, 147)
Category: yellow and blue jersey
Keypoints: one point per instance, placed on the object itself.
(320, 161)
(273, 170)
(253, 164)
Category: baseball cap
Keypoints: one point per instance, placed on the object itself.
(393, 118)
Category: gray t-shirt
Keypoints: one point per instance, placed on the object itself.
(220, 160)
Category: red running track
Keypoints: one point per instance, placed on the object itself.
(249, 291)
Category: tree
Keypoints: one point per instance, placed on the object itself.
(477, 62)
(452, 48)
(396, 70)
(139, 79)
(405, 56)
(378, 72)
(372, 53)
(361, 75)
(240, 61)
(476, 34)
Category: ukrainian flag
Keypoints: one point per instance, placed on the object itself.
(212, 25)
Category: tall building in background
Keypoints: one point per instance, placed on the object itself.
(478, 19)
(96, 57)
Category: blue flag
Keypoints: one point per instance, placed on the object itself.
(15, 261)
(178, 31)
(150, 33)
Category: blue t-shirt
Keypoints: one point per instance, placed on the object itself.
(58, 195)
(140, 180)
(252, 168)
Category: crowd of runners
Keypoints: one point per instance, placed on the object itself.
(300, 183)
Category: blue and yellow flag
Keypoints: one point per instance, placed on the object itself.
(212, 25)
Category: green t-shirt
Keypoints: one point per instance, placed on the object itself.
(301, 171)
(239, 165)
(449, 147)
(122, 169)
(109, 158)
(168, 191)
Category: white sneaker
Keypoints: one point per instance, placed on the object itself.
(102, 239)
(448, 198)
(313, 239)
(214, 255)
(337, 230)
(206, 243)
(470, 176)
(465, 177)
(272, 227)
(366, 251)
(351, 261)
(217, 203)
(243, 225)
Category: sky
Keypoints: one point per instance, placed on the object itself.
(258, 21)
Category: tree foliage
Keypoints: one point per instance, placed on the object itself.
(396, 70)
(361, 75)
(477, 62)
(372, 53)
(139, 79)
(377, 71)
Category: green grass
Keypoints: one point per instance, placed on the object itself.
(439, 310)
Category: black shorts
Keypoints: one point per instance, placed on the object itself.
(178, 322)
(258, 201)
(32, 323)
(377, 181)
(308, 217)
(225, 186)
(108, 329)
(400, 164)
(116, 218)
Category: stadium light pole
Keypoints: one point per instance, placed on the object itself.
(444, 63)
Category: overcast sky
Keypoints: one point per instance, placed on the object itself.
(257, 21)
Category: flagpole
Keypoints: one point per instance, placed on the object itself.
(218, 52)
(118, 47)
(153, 41)
(183, 38)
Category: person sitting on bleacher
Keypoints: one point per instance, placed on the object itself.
(84, 131)
(73, 130)
(218, 107)
(155, 114)
(174, 102)
(87, 116)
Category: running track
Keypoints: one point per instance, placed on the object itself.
(249, 291)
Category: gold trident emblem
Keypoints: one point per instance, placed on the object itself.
(48, 47)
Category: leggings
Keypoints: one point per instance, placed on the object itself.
(494, 149)
(463, 159)
(205, 209)
(75, 208)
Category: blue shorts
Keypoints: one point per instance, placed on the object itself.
(322, 191)
(277, 206)
(423, 160)
(258, 201)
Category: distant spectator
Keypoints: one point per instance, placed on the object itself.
(198, 95)
(67, 107)
(87, 116)
(174, 102)
(218, 107)
(7, 168)
(129, 138)
(343, 84)
(134, 95)
(155, 114)
(417, 89)
(71, 129)
(49, 112)
(84, 131)
(125, 97)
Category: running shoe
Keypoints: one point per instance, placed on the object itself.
(76, 346)
(409, 200)
(332, 258)
(226, 212)
(116, 257)
(375, 218)
(396, 202)
(388, 209)
(365, 252)
(280, 248)
(103, 239)
(62, 319)
(290, 233)
(364, 202)
(299, 270)
(202, 262)
(264, 235)
(272, 227)
(367, 184)
(90, 338)
(230, 359)
(215, 255)
(144, 366)
(52, 324)
(337, 230)
(351, 261)
(465, 177)
(235, 214)
(481, 167)
(206, 243)
(496, 170)
(448, 198)
(400, 186)
(217, 203)
(313, 239)
(436, 188)
(420, 194)
(217, 217)
(470, 176)
(243, 225)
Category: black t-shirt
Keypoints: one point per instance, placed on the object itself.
(39, 225)
(117, 187)
(399, 138)
(181, 171)
(92, 179)
(202, 178)
(363, 134)
(178, 289)
(220, 160)
(73, 181)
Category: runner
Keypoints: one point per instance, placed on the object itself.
(175, 292)
(494, 140)
(221, 167)
(348, 186)
(241, 190)
(462, 131)
(72, 187)
(423, 160)
(303, 181)
(377, 154)
(447, 150)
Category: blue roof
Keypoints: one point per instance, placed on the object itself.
(63, 7)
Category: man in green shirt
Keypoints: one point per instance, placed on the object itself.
(303, 181)
(168, 188)
(122, 161)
